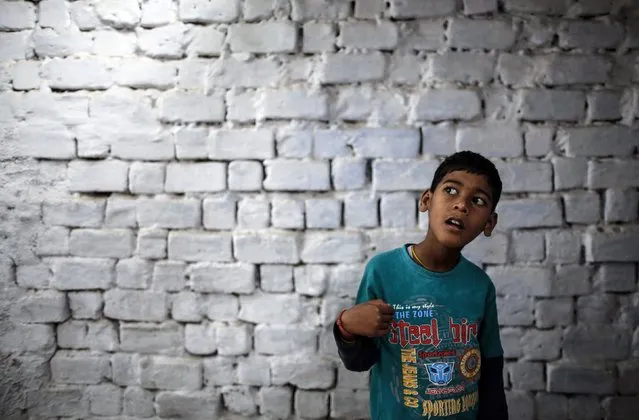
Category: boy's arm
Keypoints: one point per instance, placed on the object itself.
(492, 397)
(359, 355)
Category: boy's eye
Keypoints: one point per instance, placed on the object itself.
(450, 190)
(479, 201)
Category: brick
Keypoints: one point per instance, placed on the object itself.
(510, 338)
(188, 404)
(191, 143)
(241, 106)
(332, 143)
(233, 72)
(403, 9)
(404, 69)
(199, 246)
(199, 11)
(256, 10)
(195, 177)
(323, 213)
(168, 276)
(83, 15)
(314, 404)
(571, 280)
(393, 175)
(516, 70)
(447, 104)
(241, 144)
(627, 379)
(549, 406)
(605, 105)
(615, 277)
(245, 176)
(114, 44)
(332, 247)
(398, 210)
(541, 344)
(382, 35)
(438, 139)
(65, 401)
(310, 280)
(98, 176)
(481, 34)
(138, 402)
(125, 369)
(616, 174)
(33, 276)
(172, 373)
(385, 143)
(569, 173)
(266, 248)
(233, 340)
(477, 7)
(461, 67)
(551, 105)
(121, 212)
(521, 404)
(292, 175)
(105, 399)
(538, 140)
(146, 177)
(135, 305)
(528, 246)
(621, 407)
(531, 212)
(275, 401)
(15, 45)
(199, 339)
(253, 213)
(587, 141)
(77, 74)
(113, 243)
(251, 37)
(208, 41)
(530, 281)
(186, 307)
(223, 278)
(193, 75)
(582, 207)
(611, 246)
(293, 143)
(488, 250)
(219, 212)
(515, 310)
(318, 37)
(319, 10)
(276, 278)
(254, 371)
(191, 107)
(293, 104)
(82, 273)
(79, 367)
(133, 273)
(341, 68)
(491, 140)
(576, 378)
(176, 213)
(59, 144)
(551, 313)
(31, 338)
(589, 34)
(349, 403)
(63, 43)
(597, 309)
(527, 376)
(26, 75)
(85, 305)
(220, 371)
(287, 213)
(18, 15)
(163, 42)
(544, 7)
(303, 371)
(361, 210)
(285, 339)
(74, 212)
(239, 399)
(41, 307)
(274, 308)
(563, 246)
(145, 73)
(560, 70)
(423, 35)
(158, 13)
(119, 13)
(590, 343)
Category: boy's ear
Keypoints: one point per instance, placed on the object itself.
(490, 225)
(424, 201)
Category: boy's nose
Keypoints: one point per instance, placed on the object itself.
(461, 206)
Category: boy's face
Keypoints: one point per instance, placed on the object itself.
(460, 208)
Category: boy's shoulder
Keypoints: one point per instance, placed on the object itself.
(384, 258)
(477, 273)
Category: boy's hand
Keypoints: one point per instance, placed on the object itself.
(369, 319)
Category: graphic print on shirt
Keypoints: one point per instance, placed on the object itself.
(440, 359)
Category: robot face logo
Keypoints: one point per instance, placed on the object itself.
(440, 373)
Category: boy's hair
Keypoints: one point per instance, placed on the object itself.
(473, 163)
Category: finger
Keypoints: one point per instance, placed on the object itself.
(383, 326)
(386, 309)
(386, 318)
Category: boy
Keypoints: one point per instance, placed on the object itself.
(425, 318)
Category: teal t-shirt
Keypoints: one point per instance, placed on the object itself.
(430, 361)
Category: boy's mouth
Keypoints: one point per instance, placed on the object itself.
(454, 222)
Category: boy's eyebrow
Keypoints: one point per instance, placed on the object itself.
(481, 190)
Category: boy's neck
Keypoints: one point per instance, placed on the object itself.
(435, 256)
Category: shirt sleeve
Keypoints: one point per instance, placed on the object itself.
(368, 289)
(489, 340)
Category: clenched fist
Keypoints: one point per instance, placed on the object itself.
(368, 319)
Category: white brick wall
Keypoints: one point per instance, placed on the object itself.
(191, 189)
